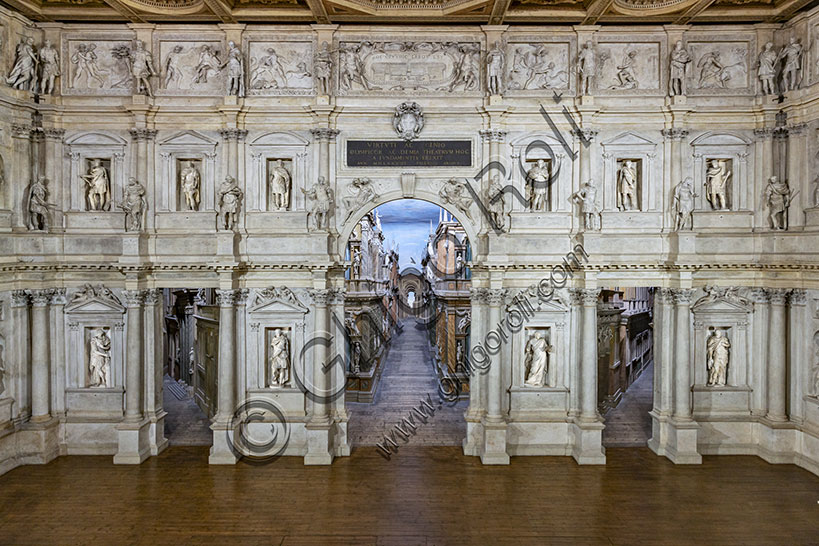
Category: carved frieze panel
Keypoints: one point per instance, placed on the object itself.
(189, 65)
(629, 67)
(280, 67)
(533, 64)
(96, 64)
(408, 67)
(721, 67)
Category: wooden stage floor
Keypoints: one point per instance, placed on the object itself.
(423, 496)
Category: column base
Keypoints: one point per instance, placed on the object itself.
(41, 438)
(157, 433)
(133, 442)
(659, 433)
(776, 440)
(588, 442)
(493, 448)
(681, 447)
(319, 444)
(341, 447)
(474, 434)
(222, 451)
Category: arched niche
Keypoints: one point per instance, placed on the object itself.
(265, 149)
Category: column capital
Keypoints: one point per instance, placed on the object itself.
(780, 132)
(496, 297)
(58, 296)
(493, 135)
(682, 296)
(230, 134)
(152, 296)
(797, 296)
(20, 130)
(139, 134)
(41, 298)
(133, 298)
(226, 298)
(665, 296)
(797, 129)
(54, 133)
(589, 296)
(241, 296)
(777, 296)
(324, 134)
(19, 298)
(674, 133)
(758, 295)
(587, 135)
(479, 295)
(320, 296)
(763, 133)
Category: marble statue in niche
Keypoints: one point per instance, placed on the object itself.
(495, 62)
(189, 182)
(766, 69)
(23, 73)
(360, 192)
(586, 67)
(791, 57)
(279, 181)
(209, 65)
(268, 72)
(625, 72)
(496, 203)
(85, 59)
(718, 354)
(173, 70)
(235, 71)
(134, 205)
(778, 197)
(99, 358)
(229, 198)
(323, 68)
(408, 120)
(716, 184)
(533, 69)
(454, 192)
(142, 68)
(537, 359)
(587, 197)
(357, 259)
(683, 205)
(39, 216)
(279, 359)
(321, 194)
(49, 67)
(537, 186)
(98, 192)
(627, 185)
(680, 59)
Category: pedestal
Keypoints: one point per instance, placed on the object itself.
(318, 444)
(585, 100)
(5, 412)
(222, 450)
(323, 100)
(226, 243)
(681, 447)
(139, 99)
(659, 433)
(495, 100)
(474, 434)
(133, 442)
(341, 447)
(676, 100)
(41, 439)
(156, 433)
(812, 217)
(588, 442)
(682, 242)
(493, 450)
(231, 100)
(134, 245)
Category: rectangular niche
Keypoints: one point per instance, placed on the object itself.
(276, 199)
(87, 183)
(539, 363)
(623, 202)
(270, 351)
(186, 178)
(96, 353)
(529, 195)
(722, 169)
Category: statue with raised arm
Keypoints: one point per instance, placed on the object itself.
(716, 184)
(99, 188)
(99, 359)
(791, 55)
(322, 196)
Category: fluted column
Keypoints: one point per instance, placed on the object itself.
(798, 361)
(134, 356)
(777, 354)
(663, 356)
(588, 356)
(324, 136)
(586, 137)
(40, 357)
(232, 137)
(494, 379)
(682, 356)
(227, 354)
(675, 136)
(140, 136)
(20, 315)
(319, 377)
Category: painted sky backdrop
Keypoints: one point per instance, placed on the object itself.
(406, 222)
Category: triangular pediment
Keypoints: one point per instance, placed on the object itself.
(720, 305)
(189, 138)
(94, 305)
(629, 139)
(277, 300)
(275, 307)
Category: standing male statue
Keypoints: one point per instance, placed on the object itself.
(49, 67)
(279, 359)
(683, 206)
(587, 196)
(791, 54)
(537, 360)
(323, 69)
(718, 354)
(587, 67)
(135, 205)
(495, 61)
(766, 70)
(99, 358)
(189, 181)
(322, 196)
(716, 184)
(778, 197)
(99, 188)
(279, 186)
(537, 179)
(230, 201)
(236, 70)
(679, 62)
(627, 186)
(142, 68)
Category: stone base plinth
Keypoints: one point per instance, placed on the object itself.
(157, 433)
(222, 451)
(812, 217)
(133, 442)
(319, 445)
(493, 448)
(681, 447)
(226, 243)
(588, 442)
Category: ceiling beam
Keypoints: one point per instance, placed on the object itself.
(319, 12)
(28, 9)
(499, 9)
(126, 11)
(596, 9)
(222, 9)
(692, 12)
(788, 9)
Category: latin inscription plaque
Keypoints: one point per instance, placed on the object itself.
(415, 153)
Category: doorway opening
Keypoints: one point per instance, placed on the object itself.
(626, 365)
(408, 311)
(190, 355)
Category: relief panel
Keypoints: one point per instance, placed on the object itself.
(189, 66)
(629, 67)
(534, 66)
(96, 65)
(280, 67)
(719, 67)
